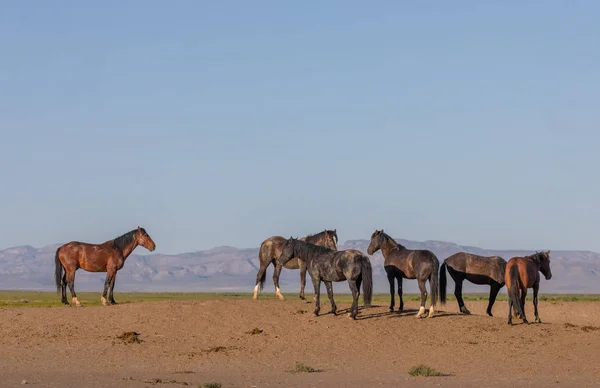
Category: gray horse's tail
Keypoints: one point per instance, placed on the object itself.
(443, 283)
(434, 282)
(262, 260)
(367, 277)
(513, 293)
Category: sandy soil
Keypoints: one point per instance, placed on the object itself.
(208, 341)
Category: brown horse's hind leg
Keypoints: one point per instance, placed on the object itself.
(110, 274)
(523, 296)
(63, 286)
(71, 282)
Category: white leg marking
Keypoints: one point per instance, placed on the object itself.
(77, 303)
(103, 300)
(255, 292)
(278, 293)
(431, 311)
(421, 312)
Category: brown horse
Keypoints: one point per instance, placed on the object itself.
(476, 269)
(522, 273)
(271, 249)
(108, 257)
(420, 264)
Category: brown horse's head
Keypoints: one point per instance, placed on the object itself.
(331, 239)
(142, 238)
(376, 240)
(544, 260)
(287, 252)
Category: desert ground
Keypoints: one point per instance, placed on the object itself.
(246, 343)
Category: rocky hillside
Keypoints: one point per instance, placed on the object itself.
(232, 269)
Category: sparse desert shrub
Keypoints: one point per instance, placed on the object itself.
(210, 385)
(423, 370)
(303, 368)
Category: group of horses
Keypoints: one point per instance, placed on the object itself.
(319, 255)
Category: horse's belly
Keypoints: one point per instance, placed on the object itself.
(478, 279)
(292, 264)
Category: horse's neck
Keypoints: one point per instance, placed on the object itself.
(129, 248)
(388, 246)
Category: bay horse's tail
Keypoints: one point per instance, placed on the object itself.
(367, 277)
(434, 282)
(58, 271)
(443, 283)
(513, 293)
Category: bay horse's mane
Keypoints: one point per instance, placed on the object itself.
(124, 240)
(386, 237)
(537, 256)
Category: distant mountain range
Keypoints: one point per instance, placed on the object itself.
(229, 269)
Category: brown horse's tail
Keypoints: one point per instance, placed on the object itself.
(443, 282)
(434, 282)
(58, 271)
(513, 293)
(367, 278)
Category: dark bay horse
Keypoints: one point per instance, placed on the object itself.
(108, 257)
(420, 264)
(476, 269)
(329, 266)
(522, 273)
(270, 250)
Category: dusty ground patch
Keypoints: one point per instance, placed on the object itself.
(200, 342)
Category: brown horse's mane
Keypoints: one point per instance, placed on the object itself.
(124, 240)
(389, 238)
(538, 256)
(318, 234)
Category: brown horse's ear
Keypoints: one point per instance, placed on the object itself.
(381, 230)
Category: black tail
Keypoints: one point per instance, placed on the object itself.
(513, 293)
(443, 283)
(367, 277)
(58, 271)
(434, 282)
(262, 281)
(261, 260)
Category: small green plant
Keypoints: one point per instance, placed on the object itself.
(423, 370)
(303, 368)
(210, 385)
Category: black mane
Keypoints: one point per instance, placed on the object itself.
(122, 241)
(538, 255)
(309, 251)
(389, 238)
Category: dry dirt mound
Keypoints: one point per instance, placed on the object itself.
(261, 343)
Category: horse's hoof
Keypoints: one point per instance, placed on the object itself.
(489, 313)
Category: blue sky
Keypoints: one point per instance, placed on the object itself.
(223, 123)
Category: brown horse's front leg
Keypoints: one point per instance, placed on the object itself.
(110, 273)
(111, 298)
(71, 282)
